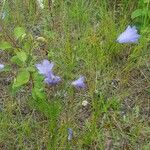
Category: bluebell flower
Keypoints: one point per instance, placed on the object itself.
(70, 134)
(79, 83)
(52, 79)
(45, 68)
(130, 35)
(1, 67)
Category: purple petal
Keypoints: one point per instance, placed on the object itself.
(70, 134)
(79, 83)
(130, 35)
(45, 67)
(51, 79)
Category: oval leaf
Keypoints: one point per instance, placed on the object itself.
(19, 32)
(22, 56)
(5, 45)
(21, 79)
(16, 60)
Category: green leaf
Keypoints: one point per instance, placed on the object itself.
(5, 45)
(22, 56)
(38, 93)
(19, 32)
(27, 46)
(16, 60)
(38, 90)
(137, 13)
(21, 79)
(38, 80)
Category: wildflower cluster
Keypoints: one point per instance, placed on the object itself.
(45, 68)
(130, 35)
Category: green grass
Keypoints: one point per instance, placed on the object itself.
(81, 40)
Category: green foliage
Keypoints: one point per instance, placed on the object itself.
(80, 37)
(19, 32)
(38, 89)
(39, 101)
(142, 14)
(16, 61)
(137, 13)
(5, 45)
(50, 110)
(104, 105)
(22, 78)
(22, 56)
